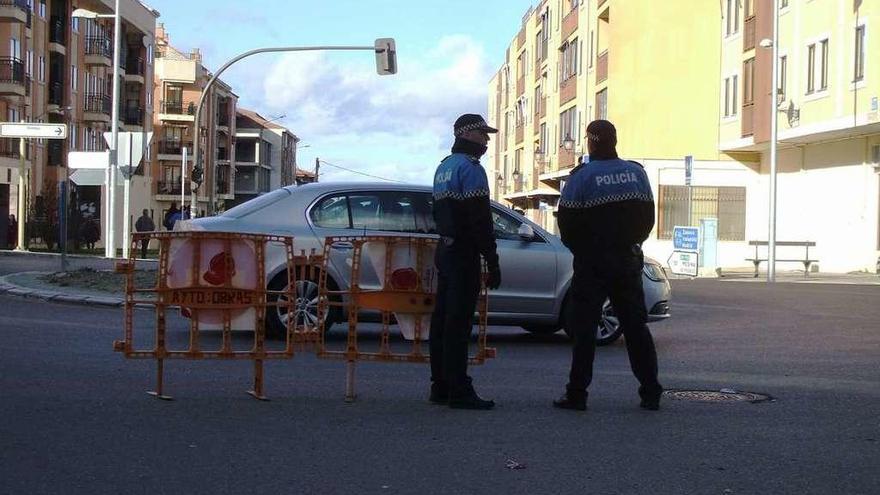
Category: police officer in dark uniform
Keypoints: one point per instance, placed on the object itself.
(605, 213)
(464, 221)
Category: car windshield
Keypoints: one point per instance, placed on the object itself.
(257, 203)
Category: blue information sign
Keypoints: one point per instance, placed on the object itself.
(686, 238)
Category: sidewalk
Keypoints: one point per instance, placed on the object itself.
(27, 283)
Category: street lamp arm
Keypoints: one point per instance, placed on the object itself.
(204, 96)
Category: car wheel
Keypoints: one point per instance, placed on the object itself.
(305, 306)
(609, 328)
(541, 329)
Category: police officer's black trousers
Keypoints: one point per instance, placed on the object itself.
(617, 276)
(458, 286)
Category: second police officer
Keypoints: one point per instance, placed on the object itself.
(605, 213)
(464, 221)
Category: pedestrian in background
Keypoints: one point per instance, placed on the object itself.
(12, 232)
(145, 224)
(90, 233)
(172, 212)
(464, 221)
(605, 213)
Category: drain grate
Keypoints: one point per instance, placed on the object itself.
(723, 395)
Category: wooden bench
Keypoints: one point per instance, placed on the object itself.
(805, 260)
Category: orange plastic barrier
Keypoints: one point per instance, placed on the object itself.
(396, 277)
(218, 280)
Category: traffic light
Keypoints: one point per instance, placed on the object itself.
(386, 56)
(198, 175)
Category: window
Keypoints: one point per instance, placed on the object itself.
(41, 76)
(73, 77)
(727, 204)
(602, 104)
(749, 8)
(521, 65)
(732, 17)
(860, 54)
(730, 96)
(749, 82)
(332, 213)
(783, 76)
(150, 55)
(74, 24)
(811, 68)
(569, 59)
(783, 4)
(823, 83)
(542, 143)
(592, 48)
(505, 226)
(568, 126)
(520, 111)
(43, 9)
(29, 63)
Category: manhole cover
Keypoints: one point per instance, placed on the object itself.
(723, 395)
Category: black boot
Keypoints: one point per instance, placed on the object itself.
(466, 398)
(439, 393)
(572, 400)
(650, 398)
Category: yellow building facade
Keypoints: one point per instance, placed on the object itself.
(686, 78)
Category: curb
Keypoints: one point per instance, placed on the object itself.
(10, 288)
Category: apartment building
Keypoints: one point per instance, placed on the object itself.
(59, 69)
(828, 121)
(654, 72)
(180, 79)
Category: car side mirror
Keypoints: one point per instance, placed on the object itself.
(526, 232)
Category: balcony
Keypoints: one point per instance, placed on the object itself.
(13, 81)
(98, 51)
(566, 158)
(749, 33)
(569, 23)
(177, 110)
(57, 35)
(15, 11)
(133, 116)
(172, 187)
(56, 96)
(9, 148)
(97, 108)
(173, 147)
(134, 70)
(55, 153)
(602, 67)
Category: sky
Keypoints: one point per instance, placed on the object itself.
(397, 127)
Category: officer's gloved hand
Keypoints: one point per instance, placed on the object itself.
(493, 281)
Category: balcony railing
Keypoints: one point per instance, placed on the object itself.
(171, 187)
(55, 153)
(57, 30)
(9, 148)
(134, 66)
(56, 93)
(173, 147)
(11, 71)
(97, 103)
(99, 45)
(178, 108)
(134, 116)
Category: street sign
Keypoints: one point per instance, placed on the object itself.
(688, 169)
(686, 238)
(87, 177)
(33, 130)
(88, 159)
(684, 263)
(130, 149)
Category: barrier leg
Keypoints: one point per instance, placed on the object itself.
(257, 392)
(349, 382)
(160, 368)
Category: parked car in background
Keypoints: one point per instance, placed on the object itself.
(536, 267)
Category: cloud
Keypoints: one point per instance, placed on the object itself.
(395, 126)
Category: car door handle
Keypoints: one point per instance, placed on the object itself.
(342, 245)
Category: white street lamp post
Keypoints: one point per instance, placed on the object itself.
(774, 127)
(386, 63)
(110, 176)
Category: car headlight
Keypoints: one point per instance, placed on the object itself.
(654, 272)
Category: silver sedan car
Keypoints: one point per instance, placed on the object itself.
(536, 267)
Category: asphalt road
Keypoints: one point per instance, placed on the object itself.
(76, 418)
